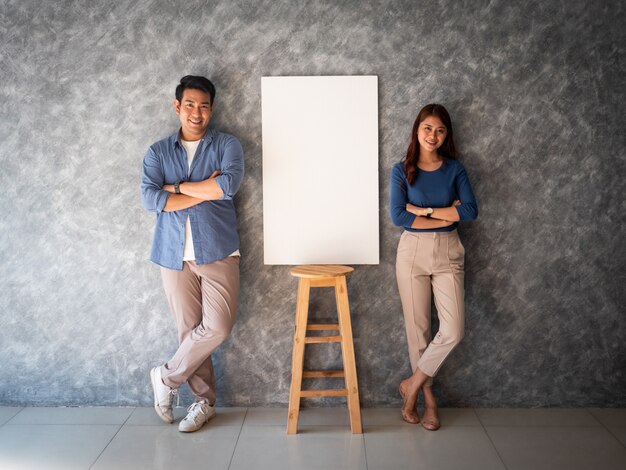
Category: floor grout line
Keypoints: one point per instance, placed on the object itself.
(364, 447)
(606, 427)
(230, 462)
(489, 437)
(111, 440)
(12, 417)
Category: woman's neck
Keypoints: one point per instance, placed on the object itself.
(429, 158)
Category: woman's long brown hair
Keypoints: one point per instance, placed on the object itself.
(447, 149)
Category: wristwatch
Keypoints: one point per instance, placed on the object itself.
(177, 187)
(429, 212)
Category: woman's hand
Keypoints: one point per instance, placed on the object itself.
(449, 215)
(419, 211)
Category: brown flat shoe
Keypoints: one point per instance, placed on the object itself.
(430, 424)
(410, 417)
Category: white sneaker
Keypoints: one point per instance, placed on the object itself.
(162, 396)
(198, 413)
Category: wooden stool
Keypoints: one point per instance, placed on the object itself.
(323, 276)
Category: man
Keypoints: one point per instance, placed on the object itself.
(189, 180)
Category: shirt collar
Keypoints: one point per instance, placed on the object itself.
(206, 138)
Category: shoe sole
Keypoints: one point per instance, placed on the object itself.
(157, 408)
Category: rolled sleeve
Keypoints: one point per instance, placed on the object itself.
(153, 196)
(468, 209)
(399, 199)
(232, 169)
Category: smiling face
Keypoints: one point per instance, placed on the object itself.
(431, 134)
(194, 111)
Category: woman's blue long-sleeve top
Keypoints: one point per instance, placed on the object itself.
(436, 189)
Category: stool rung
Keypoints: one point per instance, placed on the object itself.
(323, 393)
(323, 326)
(322, 339)
(321, 374)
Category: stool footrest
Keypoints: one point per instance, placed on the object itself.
(323, 393)
(321, 374)
(323, 326)
(322, 339)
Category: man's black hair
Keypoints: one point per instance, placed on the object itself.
(196, 83)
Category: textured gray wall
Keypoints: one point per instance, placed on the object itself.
(536, 92)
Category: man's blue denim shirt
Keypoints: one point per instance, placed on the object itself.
(213, 223)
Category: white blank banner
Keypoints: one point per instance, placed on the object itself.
(320, 170)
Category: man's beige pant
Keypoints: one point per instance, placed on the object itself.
(203, 300)
(431, 261)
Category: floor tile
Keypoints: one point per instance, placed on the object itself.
(536, 417)
(65, 415)
(308, 417)
(553, 448)
(7, 412)
(153, 447)
(52, 446)
(610, 416)
(323, 417)
(614, 419)
(266, 417)
(391, 417)
(412, 447)
(316, 447)
(229, 416)
(145, 416)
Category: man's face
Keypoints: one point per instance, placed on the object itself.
(194, 111)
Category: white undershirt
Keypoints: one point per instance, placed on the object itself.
(188, 252)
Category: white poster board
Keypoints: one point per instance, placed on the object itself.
(320, 170)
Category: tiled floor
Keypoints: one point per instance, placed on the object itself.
(255, 438)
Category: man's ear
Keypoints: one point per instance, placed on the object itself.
(177, 106)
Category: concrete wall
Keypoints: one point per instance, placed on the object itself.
(536, 93)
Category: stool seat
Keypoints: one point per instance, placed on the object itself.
(316, 271)
(323, 276)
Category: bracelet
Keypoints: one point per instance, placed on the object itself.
(177, 188)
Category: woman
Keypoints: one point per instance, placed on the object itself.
(430, 193)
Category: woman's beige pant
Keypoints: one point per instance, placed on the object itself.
(203, 300)
(431, 262)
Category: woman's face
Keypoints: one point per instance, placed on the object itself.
(431, 134)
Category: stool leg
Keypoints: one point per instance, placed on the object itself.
(302, 313)
(347, 350)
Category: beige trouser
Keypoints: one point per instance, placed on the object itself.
(203, 300)
(431, 260)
